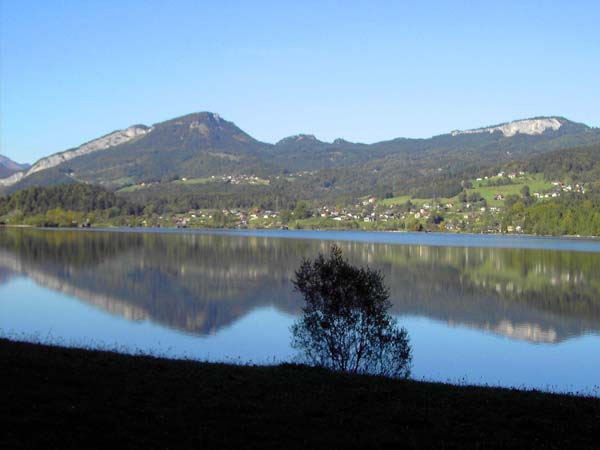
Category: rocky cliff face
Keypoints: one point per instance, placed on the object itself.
(528, 126)
(110, 140)
(13, 179)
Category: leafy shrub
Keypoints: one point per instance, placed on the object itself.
(346, 325)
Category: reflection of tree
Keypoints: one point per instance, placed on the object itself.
(202, 282)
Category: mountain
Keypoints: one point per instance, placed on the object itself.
(8, 167)
(110, 140)
(518, 137)
(426, 167)
(203, 145)
(195, 145)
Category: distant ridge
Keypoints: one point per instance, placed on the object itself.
(8, 166)
(204, 144)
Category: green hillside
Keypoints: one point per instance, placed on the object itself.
(203, 145)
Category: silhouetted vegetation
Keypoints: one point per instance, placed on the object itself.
(73, 399)
(346, 325)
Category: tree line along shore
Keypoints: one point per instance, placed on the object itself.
(564, 210)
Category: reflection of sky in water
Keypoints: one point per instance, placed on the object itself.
(453, 353)
(429, 239)
(441, 352)
(30, 310)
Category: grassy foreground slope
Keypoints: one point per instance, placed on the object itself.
(68, 398)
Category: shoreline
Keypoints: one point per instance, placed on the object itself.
(81, 398)
(326, 230)
(431, 239)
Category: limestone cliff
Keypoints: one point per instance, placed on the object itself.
(107, 141)
(527, 126)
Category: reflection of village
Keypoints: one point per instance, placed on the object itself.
(201, 283)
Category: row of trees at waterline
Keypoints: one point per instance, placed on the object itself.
(569, 215)
(67, 205)
(562, 209)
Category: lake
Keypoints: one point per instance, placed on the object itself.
(500, 310)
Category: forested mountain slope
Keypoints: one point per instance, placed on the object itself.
(204, 146)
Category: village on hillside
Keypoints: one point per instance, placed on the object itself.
(479, 208)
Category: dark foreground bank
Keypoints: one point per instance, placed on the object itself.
(69, 398)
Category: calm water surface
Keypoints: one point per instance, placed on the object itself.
(511, 311)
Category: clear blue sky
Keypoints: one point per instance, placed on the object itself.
(73, 70)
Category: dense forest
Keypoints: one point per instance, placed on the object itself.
(579, 164)
(72, 197)
(571, 214)
(65, 205)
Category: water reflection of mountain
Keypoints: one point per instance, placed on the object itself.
(201, 283)
(6, 275)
